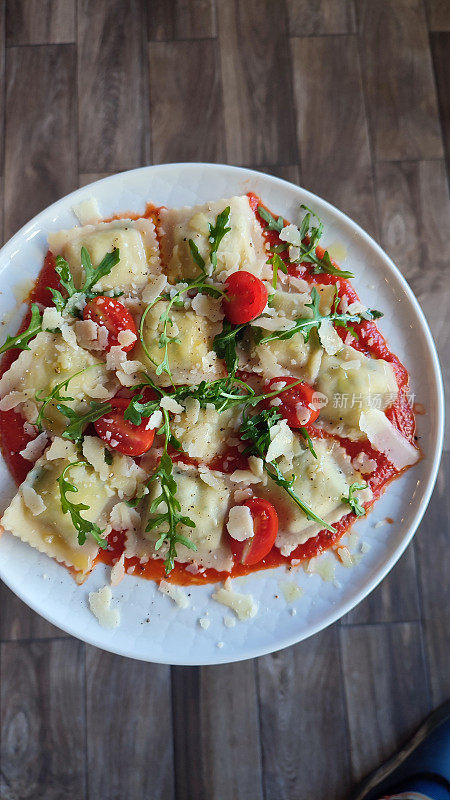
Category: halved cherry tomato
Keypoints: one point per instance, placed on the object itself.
(120, 433)
(246, 297)
(265, 525)
(297, 405)
(114, 316)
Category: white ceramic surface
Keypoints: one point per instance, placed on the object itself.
(152, 627)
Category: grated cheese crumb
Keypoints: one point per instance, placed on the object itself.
(100, 605)
(175, 593)
(240, 523)
(243, 605)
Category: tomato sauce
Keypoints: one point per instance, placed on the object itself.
(370, 341)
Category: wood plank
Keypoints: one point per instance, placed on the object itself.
(440, 48)
(18, 621)
(129, 728)
(186, 130)
(400, 91)
(2, 93)
(297, 727)
(289, 172)
(386, 603)
(181, 19)
(330, 113)
(256, 82)
(319, 17)
(40, 21)
(414, 208)
(434, 569)
(89, 177)
(40, 143)
(217, 748)
(438, 15)
(42, 720)
(112, 85)
(385, 684)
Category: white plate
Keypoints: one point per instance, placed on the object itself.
(152, 627)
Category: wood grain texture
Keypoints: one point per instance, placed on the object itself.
(2, 94)
(256, 82)
(414, 209)
(186, 131)
(289, 172)
(129, 728)
(330, 112)
(112, 85)
(438, 12)
(42, 721)
(400, 91)
(18, 621)
(440, 49)
(386, 689)
(319, 17)
(303, 714)
(89, 177)
(432, 539)
(386, 603)
(40, 21)
(217, 747)
(181, 19)
(40, 140)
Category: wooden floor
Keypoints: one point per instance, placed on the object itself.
(348, 99)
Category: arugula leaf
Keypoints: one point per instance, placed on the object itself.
(65, 275)
(171, 517)
(136, 410)
(20, 342)
(305, 325)
(74, 431)
(55, 394)
(277, 263)
(224, 344)
(93, 274)
(82, 525)
(58, 300)
(272, 223)
(309, 441)
(353, 501)
(256, 429)
(199, 260)
(217, 232)
(108, 456)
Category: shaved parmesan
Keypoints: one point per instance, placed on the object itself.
(100, 605)
(240, 523)
(35, 448)
(243, 605)
(384, 437)
(171, 405)
(156, 285)
(175, 593)
(329, 338)
(118, 571)
(210, 307)
(282, 441)
(12, 400)
(32, 500)
(291, 234)
(87, 212)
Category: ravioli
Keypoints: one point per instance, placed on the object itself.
(241, 248)
(49, 361)
(204, 433)
(135, 239)
(207, 507)
(191, 355)
(354, 382)
(320, 483)
(49, 530)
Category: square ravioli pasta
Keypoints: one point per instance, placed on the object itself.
(135, 239)
(242, 248)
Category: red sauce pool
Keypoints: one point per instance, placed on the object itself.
(370, 341)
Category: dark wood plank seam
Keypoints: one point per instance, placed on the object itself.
(31, 639)
(436, 89)
(261, 749)
(348, 763)
(173, 41)
(291, 89)
(415, 620)
(369, 132)
(321, 35)
(150, 107)
(173, 719)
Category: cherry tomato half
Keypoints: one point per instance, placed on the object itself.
(120, 434)
(297, 405)
(114, 316)
(265, 525)
(246, 297)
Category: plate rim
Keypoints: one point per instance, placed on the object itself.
(397, 551)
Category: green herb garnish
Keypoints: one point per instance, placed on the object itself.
(91, 276)
(55, 395)
(277, 263)
(305, 325)
(308, 440)
(217, 232)
(82, 525)
(353, 501)
(272, 223)
(20, 342)
(225, 343)
(74, 431)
